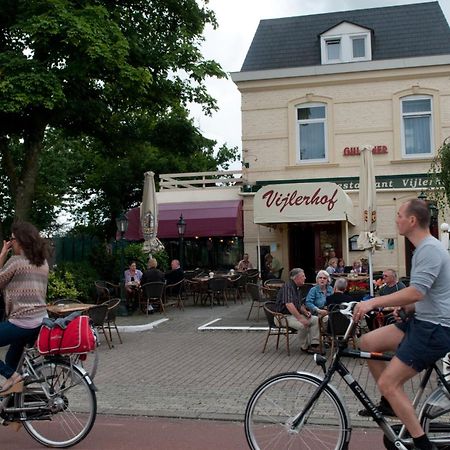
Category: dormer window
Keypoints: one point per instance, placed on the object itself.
(333, 49)
(346, 42)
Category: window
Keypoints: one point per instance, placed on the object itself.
(311, 122)
(333, 49)
(417, 126)
(359, 47)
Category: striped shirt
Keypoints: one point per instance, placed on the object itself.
(24, 288)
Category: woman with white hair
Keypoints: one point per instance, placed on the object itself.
(317, 296)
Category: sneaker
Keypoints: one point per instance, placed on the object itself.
(384, 407)
(150, 309)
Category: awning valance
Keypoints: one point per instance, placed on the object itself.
(302, 202)
(203, 219)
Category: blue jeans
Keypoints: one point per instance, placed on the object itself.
(16, 338)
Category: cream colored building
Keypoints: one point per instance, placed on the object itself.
(314, 90)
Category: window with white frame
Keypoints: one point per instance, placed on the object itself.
(417, 126)
(359, 47)
(311, 125)
(333, 49)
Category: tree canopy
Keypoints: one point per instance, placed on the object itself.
(95, 93)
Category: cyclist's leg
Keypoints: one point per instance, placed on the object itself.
(391, 383)
(382, 339)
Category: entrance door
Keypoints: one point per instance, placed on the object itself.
(310, 245)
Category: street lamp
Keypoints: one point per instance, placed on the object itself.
(181, 225)
(122, 225)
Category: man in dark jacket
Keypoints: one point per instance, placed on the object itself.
(152, 273)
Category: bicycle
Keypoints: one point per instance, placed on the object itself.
(58, 404)
(304, 411)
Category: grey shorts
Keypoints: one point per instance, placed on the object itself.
(423, 344)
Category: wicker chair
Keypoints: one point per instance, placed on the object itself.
(152, 294)
(278, 325)
(258, 300)
(110, 321)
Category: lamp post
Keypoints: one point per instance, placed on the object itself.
(122, 225)
(181, 225)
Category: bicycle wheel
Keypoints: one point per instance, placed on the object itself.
(435, 418)
(274, 405)
(61, 405)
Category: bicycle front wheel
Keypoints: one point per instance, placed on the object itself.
(435, 418)
(60, 406)
(275, 405)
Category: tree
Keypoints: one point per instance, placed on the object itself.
(105, 74)
(440, 176)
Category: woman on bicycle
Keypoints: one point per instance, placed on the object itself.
(23, 280)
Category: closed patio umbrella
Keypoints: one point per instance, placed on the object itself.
(149, 215)
(367, 239)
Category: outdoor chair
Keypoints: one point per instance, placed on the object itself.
(333, 329)
(252, 276)
(217, 287)
(256, 297)
(278, 325)
(269, 293)
(173, 294)
(233, 288)
(273, 282)
(152, 294)
(98, 315)
(110, 321)
(192, 288)
(106, 290)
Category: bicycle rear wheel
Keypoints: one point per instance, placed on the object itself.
(435, 418)
(61, 405)
(274, 405)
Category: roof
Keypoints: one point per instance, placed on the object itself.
(403, 31)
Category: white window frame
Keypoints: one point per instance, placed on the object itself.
(366, 49)
(337, 41)
(325, 131)
(428, 113)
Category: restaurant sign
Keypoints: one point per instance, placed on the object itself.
(303, 202)
(376, 150)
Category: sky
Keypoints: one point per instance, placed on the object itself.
(229, 43)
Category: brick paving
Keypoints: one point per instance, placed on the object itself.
(175, 370)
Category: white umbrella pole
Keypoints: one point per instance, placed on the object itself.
(259, 253)
(370, 273)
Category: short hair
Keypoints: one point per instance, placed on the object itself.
(323, 273)
(419, 209)
(394, 273)
(332, 260)
(294, 272)
(152, 263)
(340, 284)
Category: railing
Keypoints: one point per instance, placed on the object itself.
(201, 180)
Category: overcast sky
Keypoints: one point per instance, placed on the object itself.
(228, 45)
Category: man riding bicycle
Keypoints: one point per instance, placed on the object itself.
(422, 339)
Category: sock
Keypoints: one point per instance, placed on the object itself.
(423, 443)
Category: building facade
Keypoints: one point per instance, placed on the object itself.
(315, 89)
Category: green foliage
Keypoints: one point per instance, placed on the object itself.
(440, 177)
(135, 252)
(93, 95)
(83, 276)
(163, 260)
(61, 285)
(104, 261)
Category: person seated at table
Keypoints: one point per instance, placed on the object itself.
(132, 281)
(290, 302)
(357, 267)
(339, 296)
(340, 266)
(244, 264)
(176, 274)
(317, 295)
(384, 317)
(152, 274)
(272, 267)
(332, 265)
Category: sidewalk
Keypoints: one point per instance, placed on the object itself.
(187, 367)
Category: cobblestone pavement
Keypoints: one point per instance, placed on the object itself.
(175, 370)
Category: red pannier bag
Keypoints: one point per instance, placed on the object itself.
(78, 337)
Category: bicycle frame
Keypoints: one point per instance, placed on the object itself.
(337, 366)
